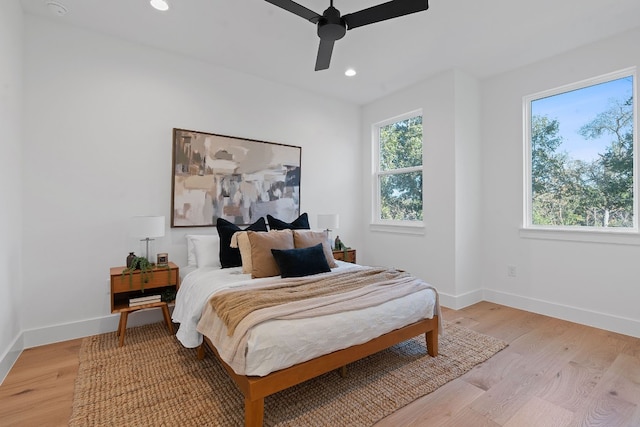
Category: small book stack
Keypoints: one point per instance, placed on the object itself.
(134, 302)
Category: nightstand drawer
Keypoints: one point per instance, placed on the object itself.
(160, 278)
(134, 282)
(348, 255)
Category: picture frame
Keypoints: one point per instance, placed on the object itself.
(162, 259)
(237, 179)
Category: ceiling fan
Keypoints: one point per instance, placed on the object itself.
(332, 26)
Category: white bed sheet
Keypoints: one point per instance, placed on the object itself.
(278, 344)
(186, 270)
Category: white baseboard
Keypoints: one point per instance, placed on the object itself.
(69, 331)
(9, 358)
(84, 328)
(609, 322)
(457, 302)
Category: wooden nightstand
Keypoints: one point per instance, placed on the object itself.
(123, 288)
(347, 255)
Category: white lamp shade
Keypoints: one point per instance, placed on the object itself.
(147, 226)
(328, 221)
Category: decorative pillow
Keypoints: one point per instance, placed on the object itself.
(230, 257)
(307, 238)
(262, 262)
(301, 262)
(240, 240)
(300, 223)
(211, 239)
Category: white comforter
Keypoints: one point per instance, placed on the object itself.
(278, 344)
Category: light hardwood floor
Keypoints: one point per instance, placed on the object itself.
(554, 373)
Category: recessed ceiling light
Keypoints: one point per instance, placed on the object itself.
(350, 72)
(161, 5)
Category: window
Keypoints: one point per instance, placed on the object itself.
(398, 170)
(580, 155)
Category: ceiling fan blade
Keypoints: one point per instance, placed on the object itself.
(384, 11)
(324, 54)
(296, 9)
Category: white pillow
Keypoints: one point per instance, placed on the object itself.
(191, 249)
(203, 250)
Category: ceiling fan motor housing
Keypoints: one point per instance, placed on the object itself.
(331, 26)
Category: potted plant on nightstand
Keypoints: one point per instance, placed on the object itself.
(146, 270)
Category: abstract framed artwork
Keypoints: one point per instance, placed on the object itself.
(240, 180)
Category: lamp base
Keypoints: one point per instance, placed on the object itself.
(329, 239)
(147, 247)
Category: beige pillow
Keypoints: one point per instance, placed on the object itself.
(263, 264)
(308, 238)
(240, 240)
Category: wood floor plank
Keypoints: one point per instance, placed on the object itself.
(614, 400)
(434, 409)
(526, 379)
(490, 319)
(494, 370)
(605, 410)
(39, 389)
(635, 418)
(539, 412)
(467, 417)
(571, 385)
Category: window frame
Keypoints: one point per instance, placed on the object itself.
(377, 223)
(578, 233)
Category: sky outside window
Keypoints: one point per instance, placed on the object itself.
(578, 107)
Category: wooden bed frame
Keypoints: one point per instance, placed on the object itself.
(255, 388)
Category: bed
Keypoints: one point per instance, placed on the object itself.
(280, 352)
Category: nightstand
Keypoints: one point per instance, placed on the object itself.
(347, 255)
(125, 286)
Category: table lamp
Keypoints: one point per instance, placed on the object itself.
(328, 222)
(147, 227)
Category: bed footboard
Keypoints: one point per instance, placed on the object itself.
(255, 389)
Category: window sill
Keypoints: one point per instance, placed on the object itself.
(418, 229)
(619, 237)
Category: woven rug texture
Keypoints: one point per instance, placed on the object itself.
(154, 381)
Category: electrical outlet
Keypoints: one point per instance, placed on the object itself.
(511, 271)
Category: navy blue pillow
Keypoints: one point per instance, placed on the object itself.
(300, 223)
(230, 257)
(301, 262)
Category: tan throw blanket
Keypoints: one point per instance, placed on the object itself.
(297, 298)
(233, 305)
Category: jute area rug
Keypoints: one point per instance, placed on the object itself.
(153, 381)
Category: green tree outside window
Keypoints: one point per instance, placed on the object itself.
(400, 170)
(595, 191)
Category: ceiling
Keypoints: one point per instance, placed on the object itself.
(481, 38)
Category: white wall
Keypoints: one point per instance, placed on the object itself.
(11, 29)
(99, 114)
(473, 199)
(468, 190)
(591, 283)
(446, 255)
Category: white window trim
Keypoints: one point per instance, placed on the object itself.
(618, 235)
(399, 227)
(392, 226)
